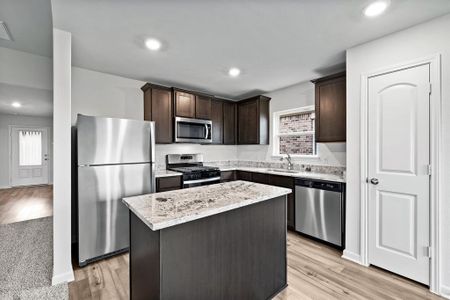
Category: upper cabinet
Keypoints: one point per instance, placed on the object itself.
(242, 122)
(158, 108)
(229, 122)
(184, 104)
(190, 105)
(203, 107)
(217, 121)
(253, 121)
(330, 108)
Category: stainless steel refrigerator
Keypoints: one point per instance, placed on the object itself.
(115, 159)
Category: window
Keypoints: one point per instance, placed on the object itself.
(30, 148)
(294, 132)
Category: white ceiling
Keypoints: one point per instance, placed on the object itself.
(35, 102)
(276, 43)
(30, 25)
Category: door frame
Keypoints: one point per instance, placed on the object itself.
(10, 152)
(435, 155)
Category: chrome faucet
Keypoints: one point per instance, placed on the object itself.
(289, 160)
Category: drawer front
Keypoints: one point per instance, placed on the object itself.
(261, 178)
(283, 181)
(227, 176)
(243, 175)
(168, 183)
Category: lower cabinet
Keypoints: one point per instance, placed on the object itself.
(164, 184)
(226, 176)
(277, 180)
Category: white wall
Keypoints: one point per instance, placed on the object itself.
(25, 69)
(100, 94)
(299, 95)
(62, 244)
(416, 42)
(17, 120)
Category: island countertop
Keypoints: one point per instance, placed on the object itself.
(166, 209)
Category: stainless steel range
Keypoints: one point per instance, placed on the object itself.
(194, 172)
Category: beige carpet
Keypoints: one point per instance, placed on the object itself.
(26, 261)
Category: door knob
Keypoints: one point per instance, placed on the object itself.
(374, 181)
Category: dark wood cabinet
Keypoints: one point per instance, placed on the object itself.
(287, 182)
(261, 178)
(184, 104)
(243, 175)
(158, 108)
(330, 108)
(226, 176)
(229, 122)
(253, 121)
(164, 184)
(243, 122)
(203, 107)
(217, 121)
(277, 180)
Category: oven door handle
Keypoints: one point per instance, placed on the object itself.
(201, 180)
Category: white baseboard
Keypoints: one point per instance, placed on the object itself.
(348, 255)
(64, 277)
(445, 291)
(5, 187)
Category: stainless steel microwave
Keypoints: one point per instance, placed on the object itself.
(188, 130)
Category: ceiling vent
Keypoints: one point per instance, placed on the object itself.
(4, 32)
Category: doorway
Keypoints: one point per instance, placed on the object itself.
(399, 172)
(29, 156)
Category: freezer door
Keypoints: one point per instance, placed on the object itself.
(318, 214)
(103, 225)
(114, 141)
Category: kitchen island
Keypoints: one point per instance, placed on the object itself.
(222, 241)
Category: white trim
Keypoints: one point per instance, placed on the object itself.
(445, 291)
(275, 134)
(435, 154)
(351, 256)
(49, 144)
(63, 277)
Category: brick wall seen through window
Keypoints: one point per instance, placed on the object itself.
(296, 134)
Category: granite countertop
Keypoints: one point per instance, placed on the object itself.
(298, 174)
(166, 209)
(166, 173)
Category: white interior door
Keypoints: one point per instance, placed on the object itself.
(29, 156)
(399, 183)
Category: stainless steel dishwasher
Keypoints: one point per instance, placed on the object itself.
(319, 210)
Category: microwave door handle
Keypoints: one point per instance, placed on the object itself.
(207, 131)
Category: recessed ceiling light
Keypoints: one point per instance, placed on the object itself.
(16, 104)
(234, 72)
(376, 8)
(153, 44)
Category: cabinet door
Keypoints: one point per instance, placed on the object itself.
(161, 113)
(229, 123)
(243, 175)
(260, 178)
(202, 107)
(331, 110)
(248, 120)
(164, 184)
(226, 176)
(287, 182)
(217, 121)
(184, 104)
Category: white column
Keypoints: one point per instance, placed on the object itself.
(62, 263)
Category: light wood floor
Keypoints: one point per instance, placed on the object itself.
(315, 271)
(25, 203)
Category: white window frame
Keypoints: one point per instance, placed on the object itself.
(276, 134)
